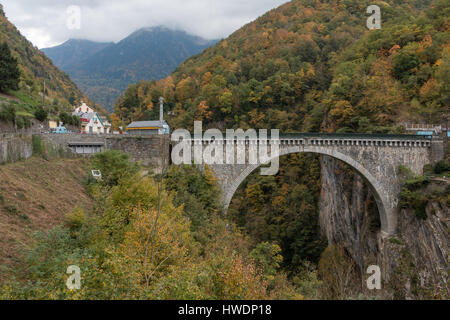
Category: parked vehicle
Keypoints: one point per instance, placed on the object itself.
(60, 130)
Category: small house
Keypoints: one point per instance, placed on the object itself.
(91, 122)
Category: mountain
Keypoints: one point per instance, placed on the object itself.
(104, 70)
(312, 66)
(71, 53)
(35, 68)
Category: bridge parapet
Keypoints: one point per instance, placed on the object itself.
(306, 139)
(415, 141)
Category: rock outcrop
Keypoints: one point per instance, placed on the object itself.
(414, 262)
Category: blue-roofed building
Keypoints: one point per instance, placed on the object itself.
(425, 133)
(424, 129)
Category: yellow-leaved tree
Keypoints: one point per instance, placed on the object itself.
(157, 240)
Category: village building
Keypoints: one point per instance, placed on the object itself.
(91, 122)
(150, 127)
(84, 108)
(424, 129)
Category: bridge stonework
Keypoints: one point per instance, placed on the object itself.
(376, 159)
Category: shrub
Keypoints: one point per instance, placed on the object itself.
(428, 169)
(268, 258)
(414, 200)
(416, 183)
(26, 122)
(442, 166)
(405, 172)
(37, 145)
(76, 121)
(8, 113)
(65, 118)
(197, 192)
(307, 281)
(19, 123)
(113, 165)
(395, 241)
(338, 273)
(41, 114)
(12, 209)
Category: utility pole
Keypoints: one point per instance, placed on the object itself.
(161, 115)
(161, 110)
(447, 116)
(43, 97)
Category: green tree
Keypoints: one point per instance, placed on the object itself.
(268, 257)
(9, 70)
(8, 113)
(403, 64)
(65, 118)
(72, 98)
(113, 165)
(41, 114)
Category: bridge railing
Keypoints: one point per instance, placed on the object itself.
(336, 136)
(364, 136)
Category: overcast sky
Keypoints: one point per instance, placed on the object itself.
(50, 22)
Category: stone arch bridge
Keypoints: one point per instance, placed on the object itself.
(375, 157)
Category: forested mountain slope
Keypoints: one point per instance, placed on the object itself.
(312, 66)
(35, 67)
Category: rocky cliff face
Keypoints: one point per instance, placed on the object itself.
(414, 263)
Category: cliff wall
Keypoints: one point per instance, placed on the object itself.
(414, 263)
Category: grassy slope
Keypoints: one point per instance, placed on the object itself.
(36, 195)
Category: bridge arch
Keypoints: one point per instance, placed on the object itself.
(387, 218)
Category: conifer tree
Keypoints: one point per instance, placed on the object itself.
(9, 71)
